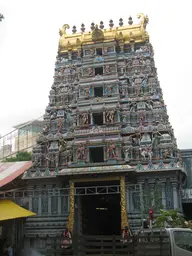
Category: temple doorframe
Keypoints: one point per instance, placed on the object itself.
(121, 178)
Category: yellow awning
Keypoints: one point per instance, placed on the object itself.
(10, 210)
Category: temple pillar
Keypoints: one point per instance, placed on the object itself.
(175, 196)
(163, 194)
(124, 218)
(151, 186)
(59, 203)
(39, 201)
(71, 207)
(30, 198)
(104, 117)
(91, 118)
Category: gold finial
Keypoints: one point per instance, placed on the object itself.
(127, 33)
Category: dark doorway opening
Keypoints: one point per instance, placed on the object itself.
(97, 118)
(98, 91)
(99, 71)
(99, 51)
(101, 215)
(96, 155)
(187, 210)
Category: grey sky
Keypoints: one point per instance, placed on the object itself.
(28, 47)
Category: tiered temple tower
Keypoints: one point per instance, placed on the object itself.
(106, 121)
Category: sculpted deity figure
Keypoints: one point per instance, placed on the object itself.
(46, 128)
(56, 160)
(49, 159)
(62, 145)
(146, 153)
(156, 140)
(86, 92)
(111, 150)
(90, 71)
(81, 152)
(36, 158)
(60, 125)
(107, 69)
(126, 152)
(68, 154)
(92, 51)
(84, 119)
(105, 50)
(145, 139)
(110, 116)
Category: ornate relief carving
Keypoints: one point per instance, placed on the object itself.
(124, 218)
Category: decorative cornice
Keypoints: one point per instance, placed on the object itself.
(125, 34)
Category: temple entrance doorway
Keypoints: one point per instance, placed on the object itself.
(101, 215)
(101, 211)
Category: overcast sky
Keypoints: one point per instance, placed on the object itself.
(29, 41)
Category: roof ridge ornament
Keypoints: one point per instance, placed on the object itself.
(97, 34)
(128, 33)
(63, 30)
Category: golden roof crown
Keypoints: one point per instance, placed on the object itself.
(126, 34)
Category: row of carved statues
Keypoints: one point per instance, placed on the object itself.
(143, 51)
(111, 152)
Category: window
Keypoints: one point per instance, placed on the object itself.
(110, 49)
(99, 51)
(97, 118)
(183, 239)
(98, 91)
(96, 155)
(87, 52)
(99, 71)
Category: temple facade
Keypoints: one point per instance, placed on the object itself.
(107, 140)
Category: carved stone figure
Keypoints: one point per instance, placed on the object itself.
(146, 153)
(109, 90)
(81, 152)
(127, 153)
(145, 139)
(46, 129)
(36, 159)
(90, 71)
(62, 145)
(86, 92)
(84, 120)
(60, 125)
(156, 140)
(105, 50)
(110, 116)
(143, 153)
(92, 51)
(50, 160)
(111, 150)
(107, 69)
(68, 154)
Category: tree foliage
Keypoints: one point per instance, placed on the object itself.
(20, 156)
(1, 17)
(170, 218)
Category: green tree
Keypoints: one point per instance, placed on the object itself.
(1, 17)
(20, 156)
(170, 218)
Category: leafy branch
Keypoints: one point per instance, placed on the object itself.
(1, 17)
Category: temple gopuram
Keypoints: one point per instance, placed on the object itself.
(107, 153)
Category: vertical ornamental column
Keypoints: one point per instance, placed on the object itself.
(175, 196)
(71, 207)
(163, 194)
(124, 219)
